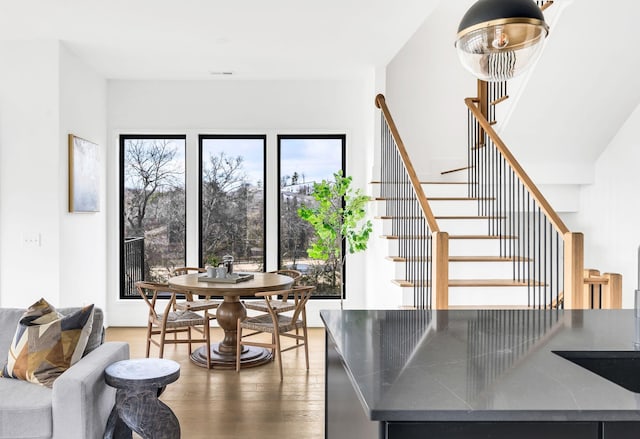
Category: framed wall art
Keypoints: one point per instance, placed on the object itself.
(84, 175)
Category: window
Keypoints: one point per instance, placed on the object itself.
(152, 208)
(303, 160)
(232, 206)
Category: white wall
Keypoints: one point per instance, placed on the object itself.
(29, 173)
(83, 236)
(237, 107)
(424, 87)
(610, 209)
(580, 93)
(45, 92)
(381, 294)
(425, 91)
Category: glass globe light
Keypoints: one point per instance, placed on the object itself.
(499, 39)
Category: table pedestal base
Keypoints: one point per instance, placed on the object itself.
(251, 356)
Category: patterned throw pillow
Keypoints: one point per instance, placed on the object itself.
(47, 343)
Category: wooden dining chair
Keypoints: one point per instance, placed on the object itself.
(278, 324)
(278, 305)
(179, 271)
(172, 322)
(191, 304)
(294, 274)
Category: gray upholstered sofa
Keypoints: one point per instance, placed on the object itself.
(78, 405)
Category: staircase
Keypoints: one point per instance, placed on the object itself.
(483, 235)
(479, 276)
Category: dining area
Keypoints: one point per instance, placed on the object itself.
(220, 403)
(245, 306)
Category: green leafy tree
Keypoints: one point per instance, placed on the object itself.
(337, 218)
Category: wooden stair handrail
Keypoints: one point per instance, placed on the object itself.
(415, 182)
(519, 171)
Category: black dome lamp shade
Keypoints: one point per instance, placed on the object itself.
(499, 39)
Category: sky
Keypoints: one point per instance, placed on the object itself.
(251, 150)
(316, 159)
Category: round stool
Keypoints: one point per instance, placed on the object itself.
(139, 382)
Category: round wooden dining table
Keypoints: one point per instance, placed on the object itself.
(223, 354)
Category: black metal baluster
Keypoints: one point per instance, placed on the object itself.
(401, 222)
(413, 236)
(544, 276)
(560, 274)
(392, 190)
(521, 235)
(512, 222)
(492, 172)
(496, 192)
(424, 266)
(476, 154)
(528, 246)
(492, 183)
(502, 208)
(484, 174)
(539, 259)
(469, 168)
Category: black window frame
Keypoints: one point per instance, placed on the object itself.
(201, 138)
(122, 139)
(343, 151)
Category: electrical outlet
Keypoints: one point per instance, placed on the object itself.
(31, 239)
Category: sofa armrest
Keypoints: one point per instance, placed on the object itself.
(81, 400)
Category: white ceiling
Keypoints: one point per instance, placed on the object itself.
(188, 39)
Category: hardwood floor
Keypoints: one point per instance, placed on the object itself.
(223, 404)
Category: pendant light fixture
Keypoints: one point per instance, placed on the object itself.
(499, 39)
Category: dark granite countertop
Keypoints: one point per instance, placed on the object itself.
(482, 365)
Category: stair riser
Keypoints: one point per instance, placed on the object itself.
(471, 270)
(478, 296)
(474, 247)
(376, 207)
(459, 247)
(411, 224)
(438, 207)
(452, 226)
(432, 190)
(394, 247)
(489, 296)
(483, 270)
(445, 190)
(479, 226)
(454, 207)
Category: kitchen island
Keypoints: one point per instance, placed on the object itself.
(476, 374)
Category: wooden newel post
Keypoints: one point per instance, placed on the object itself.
(440, 267)
(574, 271)
(612, 291)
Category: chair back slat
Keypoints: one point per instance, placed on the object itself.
(146, 289)
(293, 274)
(281, 325)
(159, 325)
(300, 297)
(186, 270)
